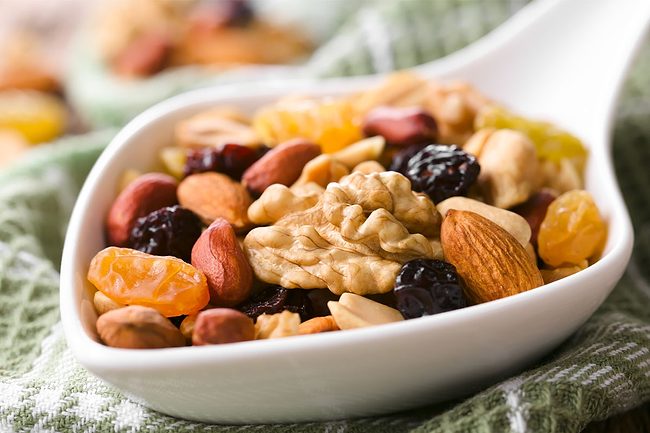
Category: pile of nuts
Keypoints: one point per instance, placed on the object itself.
(290, 223)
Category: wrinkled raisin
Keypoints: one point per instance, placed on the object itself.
(442, 171)
(425, 287)
(230, 159)
(401, 158)
(275, 299)
(170, 231)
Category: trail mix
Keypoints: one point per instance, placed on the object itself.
(318, 215)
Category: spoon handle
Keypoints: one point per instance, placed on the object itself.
(567, 57)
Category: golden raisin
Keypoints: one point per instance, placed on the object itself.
(330, 123)
(167, 284)
(572, 230)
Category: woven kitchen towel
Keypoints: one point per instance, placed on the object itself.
(602, 370)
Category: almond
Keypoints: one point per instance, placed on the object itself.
(142, 196)
(218, 255)
(215, 195)
(490, 260)
(282, 164)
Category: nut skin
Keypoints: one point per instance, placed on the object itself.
(318, 325)
(490, 260)
(144, 56)
(142, 196)
(215, 195)
(218, 255)
(283, 164)
(401, 126)
(222, 325)
(137, 327)
(187, 327)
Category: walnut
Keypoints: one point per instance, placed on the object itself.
(454, 106)
(355, 239)
(284, 324)
(278, 200)
(510, 170)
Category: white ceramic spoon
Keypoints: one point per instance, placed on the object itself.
(562, 60)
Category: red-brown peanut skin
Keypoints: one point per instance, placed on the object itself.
(222, 325)
(145, 56)
(218, 255)
(144, 195)
(283, 164)
(401, 126)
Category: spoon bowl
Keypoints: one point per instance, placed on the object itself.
(553, 60)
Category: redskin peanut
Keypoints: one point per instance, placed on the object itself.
(222, 325)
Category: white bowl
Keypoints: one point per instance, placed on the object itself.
(360, 372)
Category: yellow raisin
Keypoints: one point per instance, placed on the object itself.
(131, 277)
(572, 230)
(330, 123)
(36, 116)
(552, 143)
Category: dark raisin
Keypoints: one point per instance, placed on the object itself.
(177, 320)
(319, 299)
(442, 171)
(401, 158)
(230, 159)
(425, 287)
(275, 299)
(170, 231)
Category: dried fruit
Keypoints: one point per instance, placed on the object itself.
(534, 211)
(283, 165)
(442, 171)
(275, 299)
(331, 124)
(170, 231)
(210, 16)
(145, 56)
(401, 158)
(318, 325)
(37, 116)
(230, 159)
(572, 230)
(142, 196)
(425, 287)
(221, 326)
(137, 327)
(215, 195)
(166, 284)
(401, 126)
(354, 311)
(490, 261)
(218, 255)
(174, 159)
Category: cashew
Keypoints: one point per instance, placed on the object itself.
(322, 170)
(104, 304)
(364, 150)
(354, 311)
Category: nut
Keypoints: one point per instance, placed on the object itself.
(318, 325)
(173, 159)
(510, 170)
(144, 56)
(128, 176)
(217, 254)
(104, 304)
(322, 170)
(401, 89)
(354, 311)
(367, 167)
(222, 325)
(284, 324)
(509, 221)
(137, 327)
(215, 128)
(142, 196)
(278, 201)
(214, 195)
(562, 176)
(355, 239)
(534, 210)
(368, 149)
(187, 327)
(401, 126)
(282, 164)
(490, 260)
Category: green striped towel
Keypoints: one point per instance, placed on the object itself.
(602, 370)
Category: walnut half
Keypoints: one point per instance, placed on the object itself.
(355, 239)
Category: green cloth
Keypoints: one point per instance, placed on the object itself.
(601, 370)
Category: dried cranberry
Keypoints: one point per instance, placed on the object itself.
(425, 287)
(275, 299)
(442, 171)
(401, 158)
(230, 159)
(170, 231)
